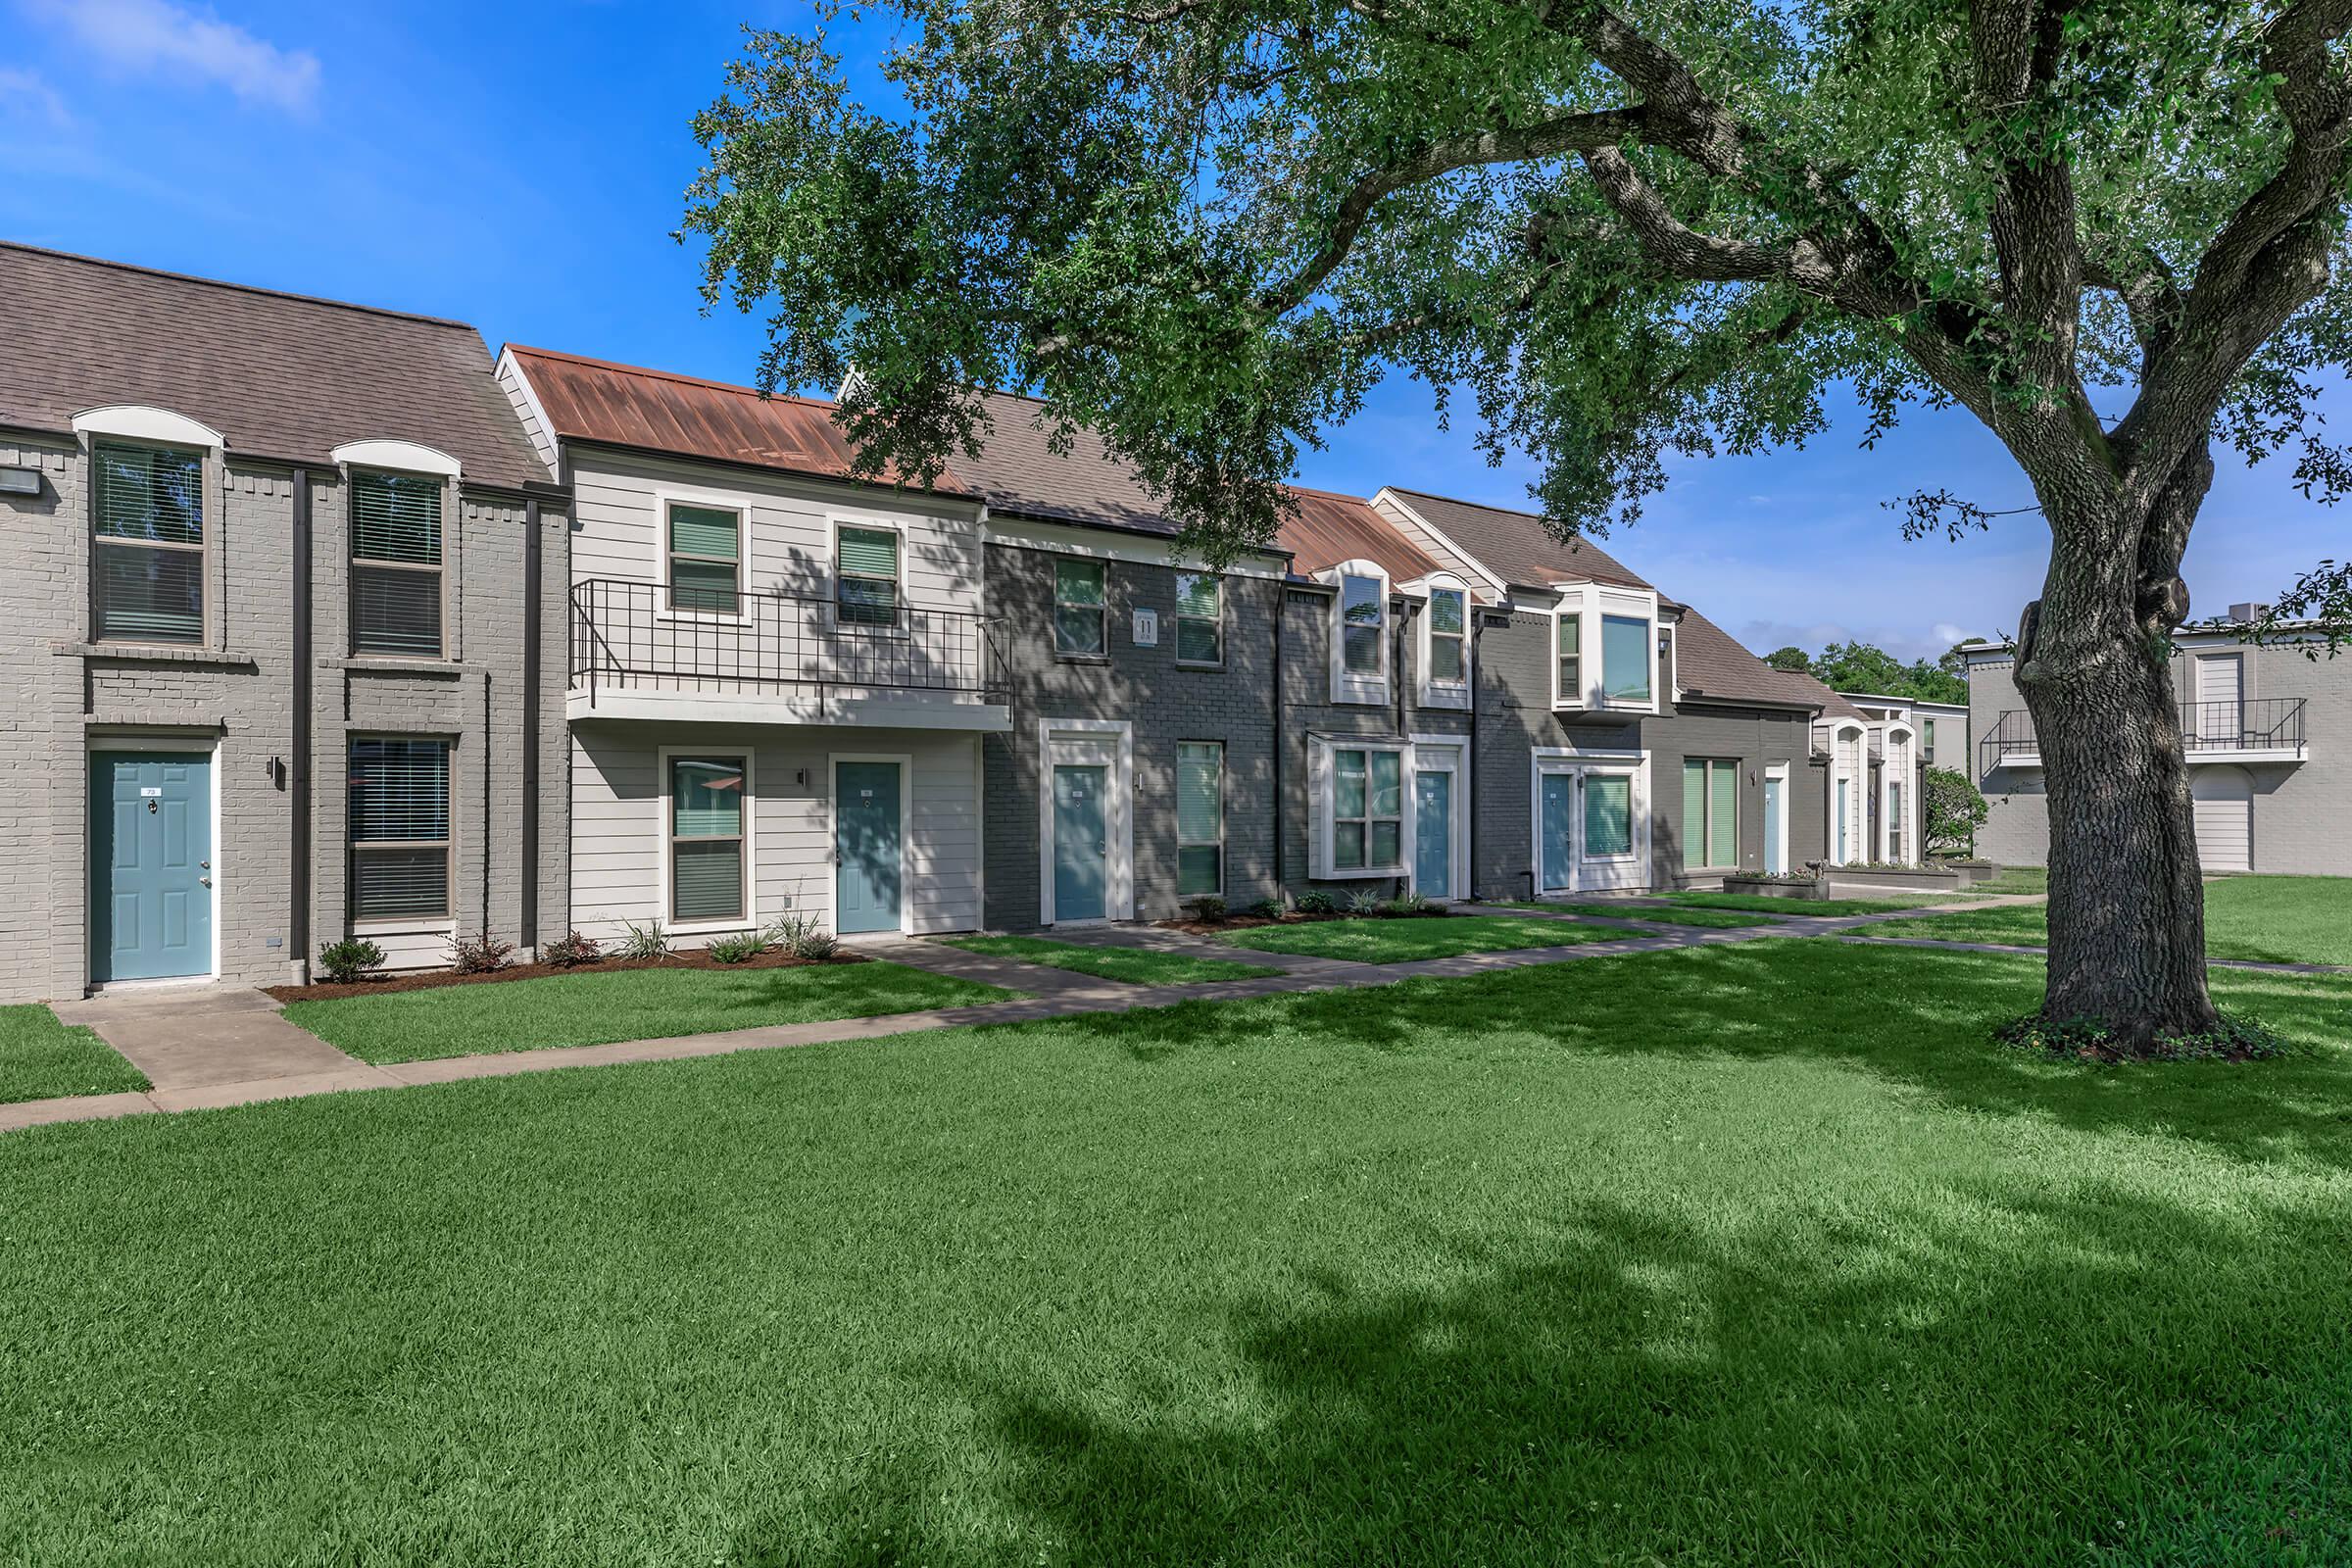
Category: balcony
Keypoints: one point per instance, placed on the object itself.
(779, 657)
(2267, 729)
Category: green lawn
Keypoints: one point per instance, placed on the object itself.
(2015, 879)
(1135, 966)
(1818, 908)
(590, 1010)
(1687, 915)
(1404, 940)
(1742, 1254)
(41, 1059)
(2279, 920)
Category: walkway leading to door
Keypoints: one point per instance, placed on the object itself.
(215, 1045)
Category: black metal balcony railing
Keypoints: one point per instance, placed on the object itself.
(2271, 724)
(625, 634)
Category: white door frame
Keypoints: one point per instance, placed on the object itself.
(1444, 754)
(1086, 741)
(208, 741)
(906, 761)
(1778, 849)
(1634, 870)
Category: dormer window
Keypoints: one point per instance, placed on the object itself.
(1445, 661)
(1363, 607)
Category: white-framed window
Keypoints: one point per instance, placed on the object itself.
(1081, 608)
(866, 576)
(703, 549)
(397, 805)
(147, 543)
(706, 833)
(1446, 646)
(397, 568)
(1368, 809)
(1710, 812)
(1364, 617)
(1200, 619)
(1605, 651)
(1200, 818)
(1926, 738)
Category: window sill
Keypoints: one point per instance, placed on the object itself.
(1081, 658)
(157, 654)
(1199, 668)
(385, 926)
(1368, 873)
(394, 665)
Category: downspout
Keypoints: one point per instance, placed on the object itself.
(528, 936)
(1282, 804)
(298, 846)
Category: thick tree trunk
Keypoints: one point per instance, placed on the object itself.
(2127, 908)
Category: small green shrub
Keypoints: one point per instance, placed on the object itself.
(1266, 910)
(352, 958)
(1208, 908)
(802, 935)
(1317, 902)
(479, 954)
(570, 951)
(1410, 903)
(1365, 901)
(2241, 1038)
(648, 940)
(737, 947)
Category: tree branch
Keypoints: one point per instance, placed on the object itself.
(1668, 241)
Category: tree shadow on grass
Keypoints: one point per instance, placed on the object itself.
(1920, 1018)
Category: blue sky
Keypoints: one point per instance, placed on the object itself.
(521, 166)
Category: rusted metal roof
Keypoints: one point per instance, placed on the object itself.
(1329, 528)
(656, 411)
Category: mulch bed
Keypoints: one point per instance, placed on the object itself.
(432, 979)
(1245, 922)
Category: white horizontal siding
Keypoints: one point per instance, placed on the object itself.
(616, 827)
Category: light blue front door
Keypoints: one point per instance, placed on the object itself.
(868, 846)
(1559, 824)
(1772, 828)
(1432, 832)
(1081, 845)
(151, 864)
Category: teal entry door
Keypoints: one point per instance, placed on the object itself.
(1555, 856)
(1081, 843)
(1432, 832)
(151, 864)
(869, 850)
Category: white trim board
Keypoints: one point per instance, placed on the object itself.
(905, 764)
(210, 743)
(750, 920)
(1118, 903)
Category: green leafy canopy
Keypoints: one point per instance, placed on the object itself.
(1208, 228)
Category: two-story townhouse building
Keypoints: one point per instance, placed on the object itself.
(283, 584)
(1907, 735)
(2269, 794)
(1622, 740)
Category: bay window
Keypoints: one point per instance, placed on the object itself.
(1367, 810)
(1608, 648)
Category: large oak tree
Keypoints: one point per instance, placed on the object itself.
(1206, 227)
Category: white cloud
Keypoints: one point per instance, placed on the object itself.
(157, 38)
(25, 96)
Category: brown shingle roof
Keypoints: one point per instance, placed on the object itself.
(1018, 471)
(1330, 528)
(1710, 663)
(656, 411)
(279, 375)
(1515, 545)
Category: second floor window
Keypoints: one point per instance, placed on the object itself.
(396, 565)
(1449, 629)
(1926, 738)
(1625, 658)
(1361, 612)
(399, 828)
(148, 518)
(1079, 607)
(1367, 810)
(866, 577)
(1570, 653)
(706, 560)
(1200, 619)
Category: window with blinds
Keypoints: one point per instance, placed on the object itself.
(1362, 605)
(1448, 631)
(707, 838)
(1367, 810)
(1200, 818)
(706, 560)
(399, 828)
(1569, 655)
(1080, 606)
(396, 568)
(1710, 812)
(148, 525)
(1200, 619)
(866, 577)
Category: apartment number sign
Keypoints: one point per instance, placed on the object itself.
(1146, 628)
